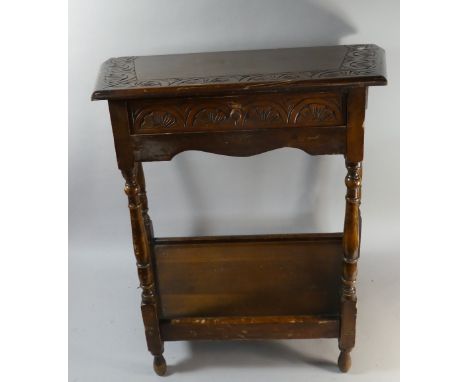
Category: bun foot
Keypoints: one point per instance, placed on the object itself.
(344, 361)
(159, 365)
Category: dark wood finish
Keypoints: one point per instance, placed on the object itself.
(141, 244)
(241, 104)
(229, 113)
(243, 71)
(250, 328)
(352, 224)
(249, 276)
(312, 140)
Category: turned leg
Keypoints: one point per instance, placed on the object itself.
(351, 244)
(142, 247)
(144, 204)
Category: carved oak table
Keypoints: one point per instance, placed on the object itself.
(240, 104)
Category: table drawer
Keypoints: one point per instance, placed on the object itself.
(236, 112)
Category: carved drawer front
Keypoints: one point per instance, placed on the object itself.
(236, 113)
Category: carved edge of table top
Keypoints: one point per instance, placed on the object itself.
(363, 62)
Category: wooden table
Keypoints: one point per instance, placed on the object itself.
(241, 104)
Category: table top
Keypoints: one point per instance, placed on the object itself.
(239, 71)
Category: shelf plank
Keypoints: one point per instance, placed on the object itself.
(244, 328)
(270, 275)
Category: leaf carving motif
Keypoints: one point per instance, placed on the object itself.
(266, 114)
(315, 112)
(157, 119)
(239, 112)
(210, 116)
(358, 60)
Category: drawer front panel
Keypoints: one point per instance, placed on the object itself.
(236, 113)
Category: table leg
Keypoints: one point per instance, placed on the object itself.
(351, 244)
(144, 203)
(141, 225)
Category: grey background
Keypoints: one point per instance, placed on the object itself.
(203, 194)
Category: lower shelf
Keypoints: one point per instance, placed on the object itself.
(245, 328)
(249, 276)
